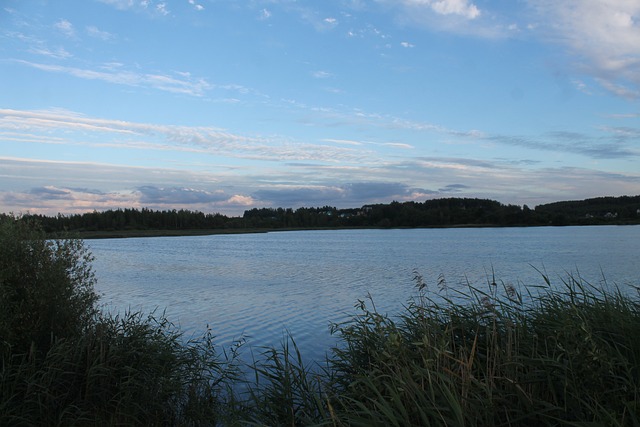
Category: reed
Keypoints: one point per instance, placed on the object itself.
(566, 355)
(128, 370)
(285, 390)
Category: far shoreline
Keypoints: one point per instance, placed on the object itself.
(126, 234)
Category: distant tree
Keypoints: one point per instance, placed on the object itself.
(434, 212)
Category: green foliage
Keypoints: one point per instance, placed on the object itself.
(129, 370)
(64, 363)
(286, 391)
(46, 287)
(598, 210)
(559, 357)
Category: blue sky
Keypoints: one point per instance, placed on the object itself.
(222, 106)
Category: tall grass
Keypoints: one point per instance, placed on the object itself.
(285, 390)
(568, 356)
(128, 370)
(63, 362)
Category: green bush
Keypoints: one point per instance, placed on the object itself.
(65, 363)
(129, 370)
(46, 287)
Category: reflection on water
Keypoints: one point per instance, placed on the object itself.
(262, 285)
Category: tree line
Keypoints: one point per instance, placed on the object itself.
(445, 212)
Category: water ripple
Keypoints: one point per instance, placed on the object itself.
(262, 285)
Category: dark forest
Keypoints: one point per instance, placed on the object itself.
(446, 212)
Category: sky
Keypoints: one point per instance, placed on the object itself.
(223, 106)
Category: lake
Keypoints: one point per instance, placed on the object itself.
(261, 285)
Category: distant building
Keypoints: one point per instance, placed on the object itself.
(365, 210)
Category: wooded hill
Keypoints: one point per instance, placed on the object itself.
(447, 212)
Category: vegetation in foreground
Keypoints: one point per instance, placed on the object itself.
(567, 354)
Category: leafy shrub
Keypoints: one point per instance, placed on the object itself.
(65, 363)
(46, 287)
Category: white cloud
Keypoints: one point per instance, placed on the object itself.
(448, 7)
(240, 200)
(406, 44)
(50, 187)
(162, 9)
(93, 31)
(619, 89)
(265, 14)
(65, 27)
(120, 4)
(51, 200)
(343, 141)
(206, 140)
(330, 22)
(456, 7)
(169, 83)
(399, 145)
(322, 74)
(604, 35)
(386, 144)
(57, 53)
(462, 17)
(581, 86)
(195, 5)
(148, 6)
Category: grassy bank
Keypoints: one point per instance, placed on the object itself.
(565, 353)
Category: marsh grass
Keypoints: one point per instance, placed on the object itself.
(564, 355)
(129, 370)
(285, 390)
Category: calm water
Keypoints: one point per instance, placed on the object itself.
(260, 285)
